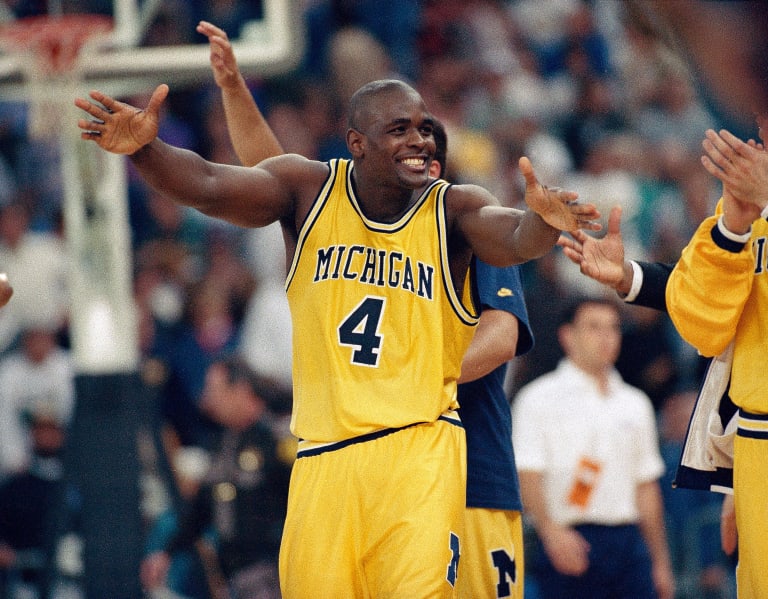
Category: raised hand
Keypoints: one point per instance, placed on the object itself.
(600, 259)
(741, 166)
(223, 62)
(119, 127)
(557, 207)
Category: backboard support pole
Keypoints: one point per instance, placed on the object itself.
(111, 399)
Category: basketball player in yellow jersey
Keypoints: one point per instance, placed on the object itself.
(379, 256)
(717, 296)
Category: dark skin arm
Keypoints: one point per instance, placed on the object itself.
(284, 187)
(281, 188)
(502, 236)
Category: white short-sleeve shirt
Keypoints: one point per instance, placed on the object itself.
(562, 417)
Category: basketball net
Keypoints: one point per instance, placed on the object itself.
(49, 49)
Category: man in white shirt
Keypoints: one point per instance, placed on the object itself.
(587, 453)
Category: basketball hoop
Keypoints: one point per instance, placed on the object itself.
(49, 49)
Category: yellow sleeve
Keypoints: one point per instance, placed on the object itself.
(709, 286)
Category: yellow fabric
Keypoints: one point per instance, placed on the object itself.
(378, 330)
(750, 475)
(388, 512)
(715, 296)
(491, 564)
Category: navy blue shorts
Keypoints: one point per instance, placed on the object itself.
(619, 567)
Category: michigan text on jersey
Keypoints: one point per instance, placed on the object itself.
(375, 266)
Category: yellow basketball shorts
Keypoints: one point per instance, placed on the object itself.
(750, 494)
(491, 563)
(377, 518)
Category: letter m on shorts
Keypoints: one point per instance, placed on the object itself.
(505, 565)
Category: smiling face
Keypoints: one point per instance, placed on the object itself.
(390, 135)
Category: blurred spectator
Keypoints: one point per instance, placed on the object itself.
(586, 448)
(37, 263)
(266, 335)
(37, 376)
(648, 358)
(355, 58)
(701, 568)
(33, 506)
(673, 113)
(564, 36)
(156, 219)
(186, 575)
(394, 24)
(244, 495)
(597, 115)
(207, 332)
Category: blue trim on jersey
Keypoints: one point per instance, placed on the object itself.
(305, 227)
(313, 451)
(491, 472)
(752, 426)
(721, 241)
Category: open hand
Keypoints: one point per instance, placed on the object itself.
(557, 207)
(223, 62)
(741, 166)
(599, 259)
(118, 127)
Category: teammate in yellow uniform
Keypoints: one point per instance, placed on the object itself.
(717, 294)
(378, 291)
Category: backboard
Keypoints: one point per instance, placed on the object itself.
(122, 61)
(53, 59)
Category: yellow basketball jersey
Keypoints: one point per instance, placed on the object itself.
(378, 330)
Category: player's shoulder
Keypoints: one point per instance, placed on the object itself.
(294, 163)
(469, 196)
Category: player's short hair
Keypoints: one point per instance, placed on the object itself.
(361, 99)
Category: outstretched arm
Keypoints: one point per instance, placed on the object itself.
(556, 207)
(243, 196)
(252, 138)
(503, 236)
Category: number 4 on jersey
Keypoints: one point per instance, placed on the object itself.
(360, 330)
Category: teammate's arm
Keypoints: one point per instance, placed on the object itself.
(602, 259)
(494, 344)
(501, 236)
(251, 136)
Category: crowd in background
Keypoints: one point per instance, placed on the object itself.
(587, 90)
